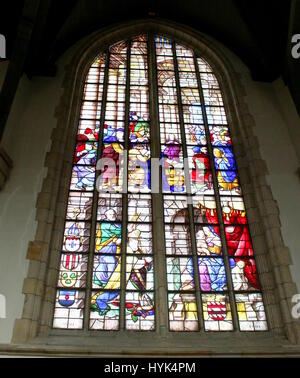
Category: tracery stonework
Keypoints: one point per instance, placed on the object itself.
(217, 288)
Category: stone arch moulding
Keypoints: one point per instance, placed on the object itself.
(33, 333)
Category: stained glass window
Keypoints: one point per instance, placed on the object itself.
(143, 95)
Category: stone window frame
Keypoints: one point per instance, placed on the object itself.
(33, 331)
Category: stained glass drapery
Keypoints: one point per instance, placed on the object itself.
(106, 276)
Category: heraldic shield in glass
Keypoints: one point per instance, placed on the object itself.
(106, 277)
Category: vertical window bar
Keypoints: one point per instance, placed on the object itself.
(188, 189)
(218, 201)
(86, 319)
(125, 193)
(139, 301)
(160, 273)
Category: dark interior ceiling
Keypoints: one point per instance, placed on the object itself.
(258, 31)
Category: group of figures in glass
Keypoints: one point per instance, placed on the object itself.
(95, 227)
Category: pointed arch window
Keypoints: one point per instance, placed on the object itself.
(127, 246)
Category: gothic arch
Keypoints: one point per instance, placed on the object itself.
(272, 256)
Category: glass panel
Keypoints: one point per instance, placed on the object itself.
(172, 168)
(90, 110)
(208, 240)
(88, 130)
(251, 312)
(139, 179)
(170, 133)
(244, 275)
(212, 274)
(238, 240)
(175, 209)
(163, 46)
(220, 136)
(68, 310)
(216, 312)
(112, 168)
(108, 236)
(180, 273)
(139, 208)
(209, 81)
(167, 95)
(105, 306)
(79, 206)
(106, 271)
(177, 238)
(109, 207)
(113, 131)
(203, 65)
(139, 311)
(76, 237)
(183, 312)
(216, 115)
(72, 273)
(139, 238)
(139, 273)
(195, 134)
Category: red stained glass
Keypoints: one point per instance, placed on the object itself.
(244, 275)
(238, 240)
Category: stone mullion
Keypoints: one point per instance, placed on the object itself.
(189, 197)
(122, 325)
(160, 274)
(95, 200)
(218, 203)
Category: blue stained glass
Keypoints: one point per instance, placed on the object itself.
(102, 301)
(224, 158)
(212, 274)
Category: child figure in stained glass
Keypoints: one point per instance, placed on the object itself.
(208, 241)
(239, 280)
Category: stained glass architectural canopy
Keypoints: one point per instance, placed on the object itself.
(136, 236)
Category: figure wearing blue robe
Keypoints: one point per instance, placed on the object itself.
(85, 175)
(225, 162)
(110, 134)
(216, 272)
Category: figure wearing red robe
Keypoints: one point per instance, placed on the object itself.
(239, 243)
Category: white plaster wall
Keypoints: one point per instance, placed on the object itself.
(277, 128)
(27, 139)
